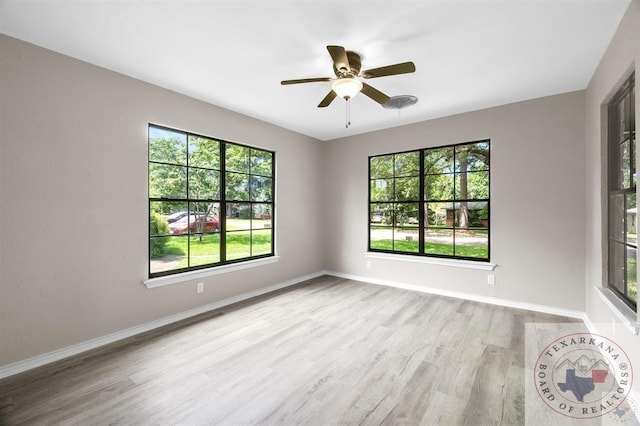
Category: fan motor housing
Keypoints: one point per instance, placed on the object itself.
(355, 64)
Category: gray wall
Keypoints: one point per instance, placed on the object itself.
(73, 191)
(622, 56)
(537, 201)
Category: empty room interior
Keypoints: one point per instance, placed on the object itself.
(354, 212)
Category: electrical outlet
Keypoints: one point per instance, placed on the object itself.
(491, 279)
(200, 287)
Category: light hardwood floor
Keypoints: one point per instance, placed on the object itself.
(330, 351)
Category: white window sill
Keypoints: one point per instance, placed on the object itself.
(204, 273)
(457, 263)
(624, 313)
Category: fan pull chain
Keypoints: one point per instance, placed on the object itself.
(348, 114)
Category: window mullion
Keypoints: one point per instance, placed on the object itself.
(222, 221)
(421, 205)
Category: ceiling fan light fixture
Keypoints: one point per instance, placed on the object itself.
(347, 88)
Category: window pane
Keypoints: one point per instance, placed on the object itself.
(169, 210)
(238, 216)
(406, 214)
(204, 249)
(439, 187)
(381, 214)
(625, 165)
(471, 214)
(626, 118)
(204, 152)
(167, 254)
(381, 167)
(261, 216)
(167, 181)
(407, 164)
(381, 237)
(439, 214)
(382, 190)
(260, 242)
(616, 217)
(202, 208)
(407, 189)
(472, 157)
(237, 158)
(158, 225)
(438, 241)
(261, 163)
(238, 244)
(461, 215)
(405, 233)
(261, 188)
(237, 187)
(167, 146)
(616, 265)
(438, 160)
(472, 185)
(204, 184)
(630, 223)
(632, 274)
(406, 240)
(195, 223)
(472, 243)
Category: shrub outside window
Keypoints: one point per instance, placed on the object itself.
(431, 202)
(210, 202)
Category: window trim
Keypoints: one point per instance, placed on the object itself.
(198, 274)
(611, 121)
(432, 260)
(421, 202)
(224, 265)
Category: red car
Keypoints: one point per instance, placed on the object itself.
(180, 226)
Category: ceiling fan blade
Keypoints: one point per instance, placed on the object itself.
(339, 56)
(305, 80)
(374, 94)
(403, 68)
(327, 99)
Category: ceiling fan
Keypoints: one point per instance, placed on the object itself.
(346, 66)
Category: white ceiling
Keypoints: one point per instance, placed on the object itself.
(468, 54)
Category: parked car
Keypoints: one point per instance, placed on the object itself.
(189, 223)
(377, 218)
(264, 216)
(174, 217)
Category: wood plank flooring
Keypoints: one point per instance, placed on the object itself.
(329, 351)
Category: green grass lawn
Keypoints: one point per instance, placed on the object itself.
(480, 252)
(207, 250)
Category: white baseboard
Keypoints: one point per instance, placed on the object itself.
(466, 296)
(40, 360)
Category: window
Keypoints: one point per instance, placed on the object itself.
(431, 202)
(210, 202)
(622, 206)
